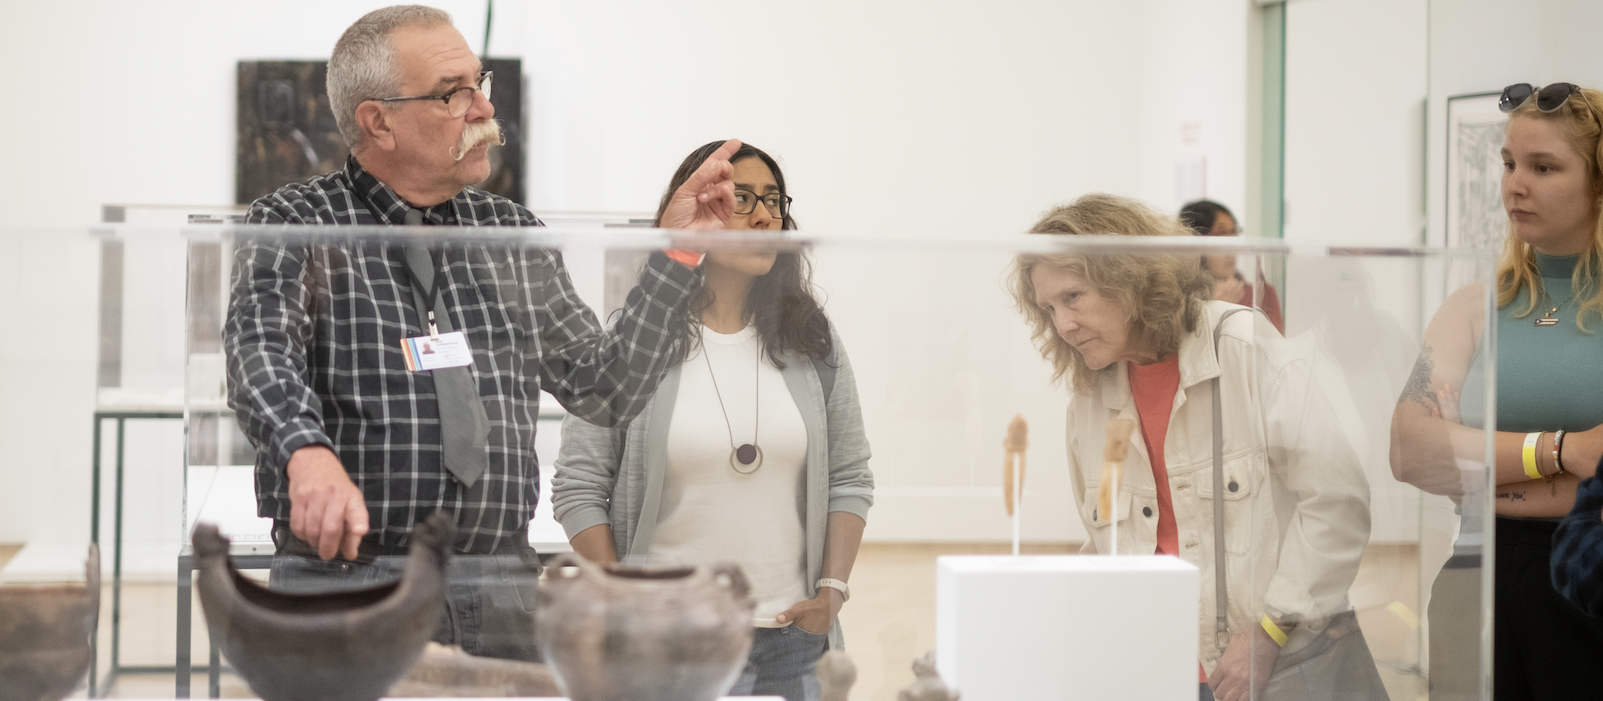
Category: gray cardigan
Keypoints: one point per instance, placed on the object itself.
(614, 476)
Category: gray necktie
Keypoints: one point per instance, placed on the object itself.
(464, 425)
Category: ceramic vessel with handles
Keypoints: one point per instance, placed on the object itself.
(644, 634)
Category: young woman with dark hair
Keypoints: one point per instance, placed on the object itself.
(751, 451)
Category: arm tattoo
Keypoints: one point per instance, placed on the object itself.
(1518, 495)
(1418, 388)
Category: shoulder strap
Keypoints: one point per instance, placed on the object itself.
(1221, 597)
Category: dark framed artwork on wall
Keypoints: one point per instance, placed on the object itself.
(286, 131)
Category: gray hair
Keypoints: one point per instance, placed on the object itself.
(363, 65)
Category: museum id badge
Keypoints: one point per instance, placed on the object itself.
(447, 350)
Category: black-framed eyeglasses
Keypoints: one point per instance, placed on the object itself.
(1548, 99)
(746, 202)
(458, 101)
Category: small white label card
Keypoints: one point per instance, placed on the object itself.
(448, 350)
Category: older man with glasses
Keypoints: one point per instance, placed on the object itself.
(360, 434)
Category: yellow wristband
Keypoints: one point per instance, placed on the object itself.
(1528, 455)
(1274, 631)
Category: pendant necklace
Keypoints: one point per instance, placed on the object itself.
(1550, 320)
(747, 453)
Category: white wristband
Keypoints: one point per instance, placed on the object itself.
(837, 585)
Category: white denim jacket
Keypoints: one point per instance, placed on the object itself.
(1296, 500)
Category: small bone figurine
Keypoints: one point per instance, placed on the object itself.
(1018, 439)
(836, 675)
(1113, 455)
(927, 683)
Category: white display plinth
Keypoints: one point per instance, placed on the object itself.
(1051, 627)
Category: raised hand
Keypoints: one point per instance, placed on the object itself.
(707, 199)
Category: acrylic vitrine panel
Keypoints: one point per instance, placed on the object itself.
(1320, 532)
(1371, 511)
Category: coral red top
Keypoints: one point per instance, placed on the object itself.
(1154, 387)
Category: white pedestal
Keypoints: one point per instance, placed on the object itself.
(1054, 627)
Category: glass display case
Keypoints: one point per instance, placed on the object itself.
(1324, 455)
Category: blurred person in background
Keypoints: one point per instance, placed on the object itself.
(1209, 218)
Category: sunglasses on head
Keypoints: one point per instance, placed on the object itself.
(1548, 99)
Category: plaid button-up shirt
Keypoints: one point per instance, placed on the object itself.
(313, 344)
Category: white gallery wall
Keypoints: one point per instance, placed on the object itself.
(1481, 46)
(1010, 107)
(1355, 99)
(1367, 83)
(920, 119)
(905, 118)
(1354, 174)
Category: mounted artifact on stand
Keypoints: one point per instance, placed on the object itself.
(927, 683)
(836, 675)
(338, 646)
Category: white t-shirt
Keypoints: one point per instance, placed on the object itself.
(711, 513)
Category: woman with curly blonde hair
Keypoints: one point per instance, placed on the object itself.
(1135, 334)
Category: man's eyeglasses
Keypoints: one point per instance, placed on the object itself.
(458, 101)
(1548, 99)
(746, 202)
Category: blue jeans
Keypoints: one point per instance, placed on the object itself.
(489, 599)
(783, 662)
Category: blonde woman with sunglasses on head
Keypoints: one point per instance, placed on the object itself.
(1549, 400)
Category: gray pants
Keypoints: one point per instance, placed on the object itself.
(489, 599)
(783, 662)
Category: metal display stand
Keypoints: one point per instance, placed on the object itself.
(214, 668)
(121, 416)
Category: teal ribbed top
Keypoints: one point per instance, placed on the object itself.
(1548, 377)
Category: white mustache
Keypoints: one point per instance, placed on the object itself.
(485, 131)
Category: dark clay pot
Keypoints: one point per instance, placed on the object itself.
(643, 634)
(45, 631)
(339, 646)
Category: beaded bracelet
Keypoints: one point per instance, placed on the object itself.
(1558, 446)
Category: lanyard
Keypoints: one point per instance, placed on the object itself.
(432, 293)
